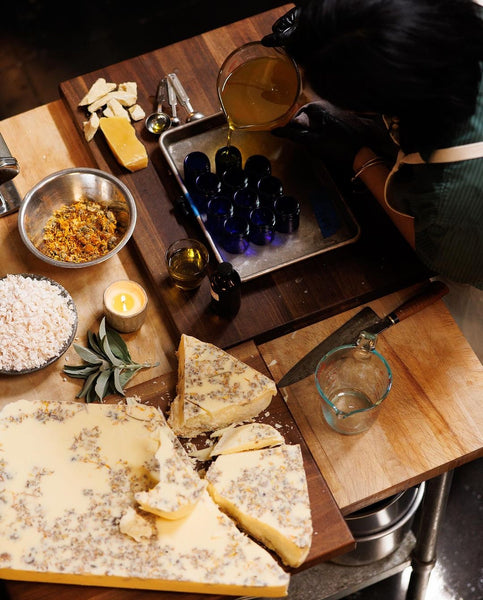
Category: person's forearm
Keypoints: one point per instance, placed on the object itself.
(374, 178)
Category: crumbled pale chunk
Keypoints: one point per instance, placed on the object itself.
(219, 432)
(99, 103)
(179, 487)
(136, 112)
(115, 109)
(135, 525)
(97, 90)
(202, 454)
(130, 87)
(91, 126)
(124, 98)
(252, 436)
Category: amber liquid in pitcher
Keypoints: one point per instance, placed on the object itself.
(259, 94)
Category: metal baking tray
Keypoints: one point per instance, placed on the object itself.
(326, 222)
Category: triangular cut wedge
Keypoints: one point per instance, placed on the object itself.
(265, 491)
(215, 389)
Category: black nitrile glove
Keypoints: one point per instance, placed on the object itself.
(282, 29)
(333, 134)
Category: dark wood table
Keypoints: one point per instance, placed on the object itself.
(379, 263)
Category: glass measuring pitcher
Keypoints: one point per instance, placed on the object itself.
(258, 87)
(352, 382)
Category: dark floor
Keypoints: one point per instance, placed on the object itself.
(41, 45)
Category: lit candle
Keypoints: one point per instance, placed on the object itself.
(125, 304)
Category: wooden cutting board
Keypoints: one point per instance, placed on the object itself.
(379, 263)
(430, 422)
(331, 534)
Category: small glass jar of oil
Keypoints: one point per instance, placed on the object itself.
(187, 261)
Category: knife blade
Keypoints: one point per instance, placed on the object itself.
(365, 320)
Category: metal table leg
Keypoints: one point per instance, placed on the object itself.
(424, 553)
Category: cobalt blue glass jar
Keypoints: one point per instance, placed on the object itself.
(262, 225)
(236, 231)
(194, 164)
(218, 210)
(256, 167)
(227, 157)
(244, 201)
(287, 214)
(269, 189)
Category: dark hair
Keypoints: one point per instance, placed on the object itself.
(416, 59)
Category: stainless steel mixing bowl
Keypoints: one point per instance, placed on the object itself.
(66, 187)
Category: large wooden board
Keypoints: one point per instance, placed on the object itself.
(54, 145)
(379, 263)
(430, 422)
(331, 534)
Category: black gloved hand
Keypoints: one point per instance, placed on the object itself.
(336, 135)
(323, 133)
(282, 29)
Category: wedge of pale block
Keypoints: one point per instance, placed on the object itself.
(215, 389)
(265, 492)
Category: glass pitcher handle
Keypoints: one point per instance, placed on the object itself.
(367, 341)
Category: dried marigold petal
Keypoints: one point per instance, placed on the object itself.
(80, 232)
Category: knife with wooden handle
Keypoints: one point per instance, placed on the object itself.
(364, 320)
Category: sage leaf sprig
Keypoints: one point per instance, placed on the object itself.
(107, 367)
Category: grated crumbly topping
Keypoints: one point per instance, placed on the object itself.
(36, 321)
